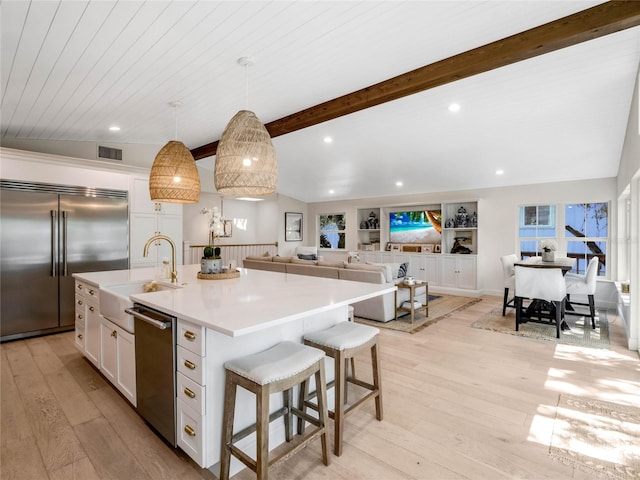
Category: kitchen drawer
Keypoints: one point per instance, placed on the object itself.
(80, 302)
(190, 434)
(190, 365)
(87, 290)
(191, 337)
(79, 333)
(191, 393)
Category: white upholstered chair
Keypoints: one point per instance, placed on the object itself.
(537, 284)
(584, 285)
(509, 275)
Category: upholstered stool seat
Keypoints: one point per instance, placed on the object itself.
(277, 369)
(342, 342)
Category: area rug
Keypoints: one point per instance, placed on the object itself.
(577, 335)
(597, 437)
(440, 307)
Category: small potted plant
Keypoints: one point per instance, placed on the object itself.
(548, 248)
(211, 262)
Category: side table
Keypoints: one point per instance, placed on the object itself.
(412, 295)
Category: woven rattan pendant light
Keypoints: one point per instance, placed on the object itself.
(174, 176)
(246, 163)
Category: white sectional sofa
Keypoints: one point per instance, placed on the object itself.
(380, 308)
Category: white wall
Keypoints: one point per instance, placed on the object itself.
(132, 154)
(497, 216)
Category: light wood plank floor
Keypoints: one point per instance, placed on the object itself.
(458, 403)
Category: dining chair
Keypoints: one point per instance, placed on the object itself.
(509, 275)
(539, 285)
(583, 285)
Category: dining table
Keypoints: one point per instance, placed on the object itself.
(538, 306)
(564, 263)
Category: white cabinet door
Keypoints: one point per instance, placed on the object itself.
(126, 366)
(92, 334)
(109, 350)
(142, 203)
(117, 358)
(467, 272)
(145, 226)
(458, 271)
(432, 267)
(417, 267)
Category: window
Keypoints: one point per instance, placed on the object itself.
(587, 234)
(537, 222)
(332, 230)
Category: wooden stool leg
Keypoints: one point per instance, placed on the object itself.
(338, 416)
(227, 425)
(323, 414)
(262, 433)
(377, 378)
(288, 416)
(303, 395)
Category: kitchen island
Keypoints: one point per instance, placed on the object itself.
(218, 320)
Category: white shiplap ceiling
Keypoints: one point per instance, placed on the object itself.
(71, 69)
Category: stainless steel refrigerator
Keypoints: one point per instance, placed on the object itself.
(47, 233)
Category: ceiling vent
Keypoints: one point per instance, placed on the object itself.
(109, 153)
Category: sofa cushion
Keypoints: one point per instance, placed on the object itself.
(262, 258)
(324, 263)
(279, 259)
(310, 256)
(388, 270)
(369, 268)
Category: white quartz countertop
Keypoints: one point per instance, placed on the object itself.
(255, 301)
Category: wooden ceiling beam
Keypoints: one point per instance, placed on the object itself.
(595, 22)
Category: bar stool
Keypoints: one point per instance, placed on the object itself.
(277, 369)
(342, 342)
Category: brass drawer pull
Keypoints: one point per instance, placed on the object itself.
(189, 393)
(91, 292)
(79, 287)
(189, 335)
(80, 302)
(114, 334)
(190, 431)
(80, 336)
(189, 364)
(92, 309)
(80, 317)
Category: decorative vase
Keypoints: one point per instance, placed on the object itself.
(548, 256)
(211, 265)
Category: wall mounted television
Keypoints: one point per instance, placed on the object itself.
(416, 226)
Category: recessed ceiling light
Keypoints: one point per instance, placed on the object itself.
(114, 128)
(399, 184)
(331, 192)
(454, 107)
(328, 140)
(500, 172)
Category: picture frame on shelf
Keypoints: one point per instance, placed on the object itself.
(292, 227)
(437, 248)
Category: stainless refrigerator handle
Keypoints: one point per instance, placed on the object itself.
(54, 250)
(149, 320)
(64, 243)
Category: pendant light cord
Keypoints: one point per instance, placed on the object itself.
(175, 114)
(246, 97)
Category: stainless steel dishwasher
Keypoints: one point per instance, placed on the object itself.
(156, 369)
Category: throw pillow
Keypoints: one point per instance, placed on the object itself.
(307, 257)
(402, 271)
(303, 261)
